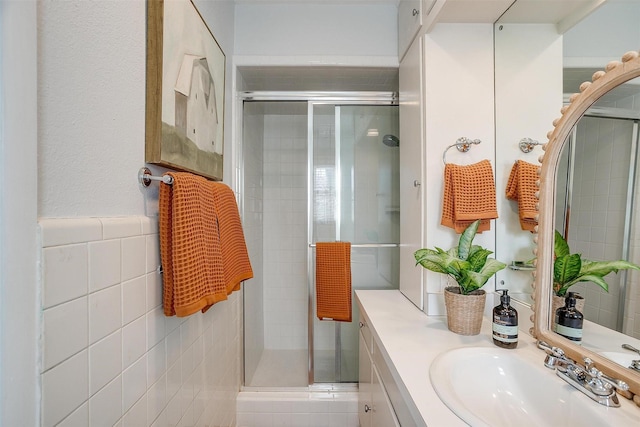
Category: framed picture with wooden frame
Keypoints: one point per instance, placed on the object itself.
(185, 90)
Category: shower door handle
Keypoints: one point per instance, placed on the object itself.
(416, 183)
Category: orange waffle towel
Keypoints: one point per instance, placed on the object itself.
(333, 281)
(522, 188)
(204, 256)
(469, 195)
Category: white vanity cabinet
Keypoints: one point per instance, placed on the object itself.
(377, 388)
(374, 407)
(411, 15)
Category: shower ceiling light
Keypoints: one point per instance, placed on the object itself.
(372, 132)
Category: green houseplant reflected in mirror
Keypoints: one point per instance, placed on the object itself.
(569, 269)
(470, 266)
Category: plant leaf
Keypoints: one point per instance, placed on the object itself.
(421, 258)
(566, 268)
(598, 280)
(466, 240)
(442, 263)
(602, 268)
(468, 283)
(491, 267)
(472, 280)
(560, 246)
(478, 258)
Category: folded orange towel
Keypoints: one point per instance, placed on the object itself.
(333, 281)
(469, 195)
(201, 244)
(521, 187)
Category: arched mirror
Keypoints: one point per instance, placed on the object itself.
(599, 343)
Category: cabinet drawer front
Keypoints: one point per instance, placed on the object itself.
(397, 401)
(383, 413)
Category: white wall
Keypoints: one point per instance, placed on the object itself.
(18, 211)
(459, 102)
(317, 33)
(91, 105)
(603, 36)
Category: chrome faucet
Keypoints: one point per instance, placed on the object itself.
(585, 378)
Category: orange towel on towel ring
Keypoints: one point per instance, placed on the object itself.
(522, 187)
(469, 195)
(333, 281)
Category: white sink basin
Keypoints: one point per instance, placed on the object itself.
(495, 387)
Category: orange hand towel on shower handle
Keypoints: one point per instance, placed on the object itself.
(333, 281)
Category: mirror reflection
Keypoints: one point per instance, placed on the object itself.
(602, 345)
(585, 47)
(596, 204)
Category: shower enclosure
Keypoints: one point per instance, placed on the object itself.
(321, 168)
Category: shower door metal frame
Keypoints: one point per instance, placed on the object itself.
(314, 99)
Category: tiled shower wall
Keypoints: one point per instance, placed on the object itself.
(109, 356)
(598, 213)
(285, 231)
(252, 220)
(598, 207)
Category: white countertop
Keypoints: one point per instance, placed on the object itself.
(409, 341)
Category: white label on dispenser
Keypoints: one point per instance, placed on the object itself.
(505, 333)
(571, 333)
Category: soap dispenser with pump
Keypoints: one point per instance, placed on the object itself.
(505, 323)
(568, 320)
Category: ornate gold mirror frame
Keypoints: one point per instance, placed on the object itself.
(615, 73)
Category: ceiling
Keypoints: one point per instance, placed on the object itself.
(486, 11)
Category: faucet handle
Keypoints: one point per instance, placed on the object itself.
(555, 358)
(599, 375)
(588, 364)
(552, 351)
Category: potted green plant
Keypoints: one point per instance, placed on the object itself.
(569, 269)
(470, 266)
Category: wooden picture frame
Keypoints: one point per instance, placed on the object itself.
(185, 90)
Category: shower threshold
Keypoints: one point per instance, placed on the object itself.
(313, 388)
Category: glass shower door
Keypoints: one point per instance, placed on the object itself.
(354, 197)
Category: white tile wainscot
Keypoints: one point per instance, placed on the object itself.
(109, 356)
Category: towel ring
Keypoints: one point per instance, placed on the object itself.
(527, 144)
(463, 145)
